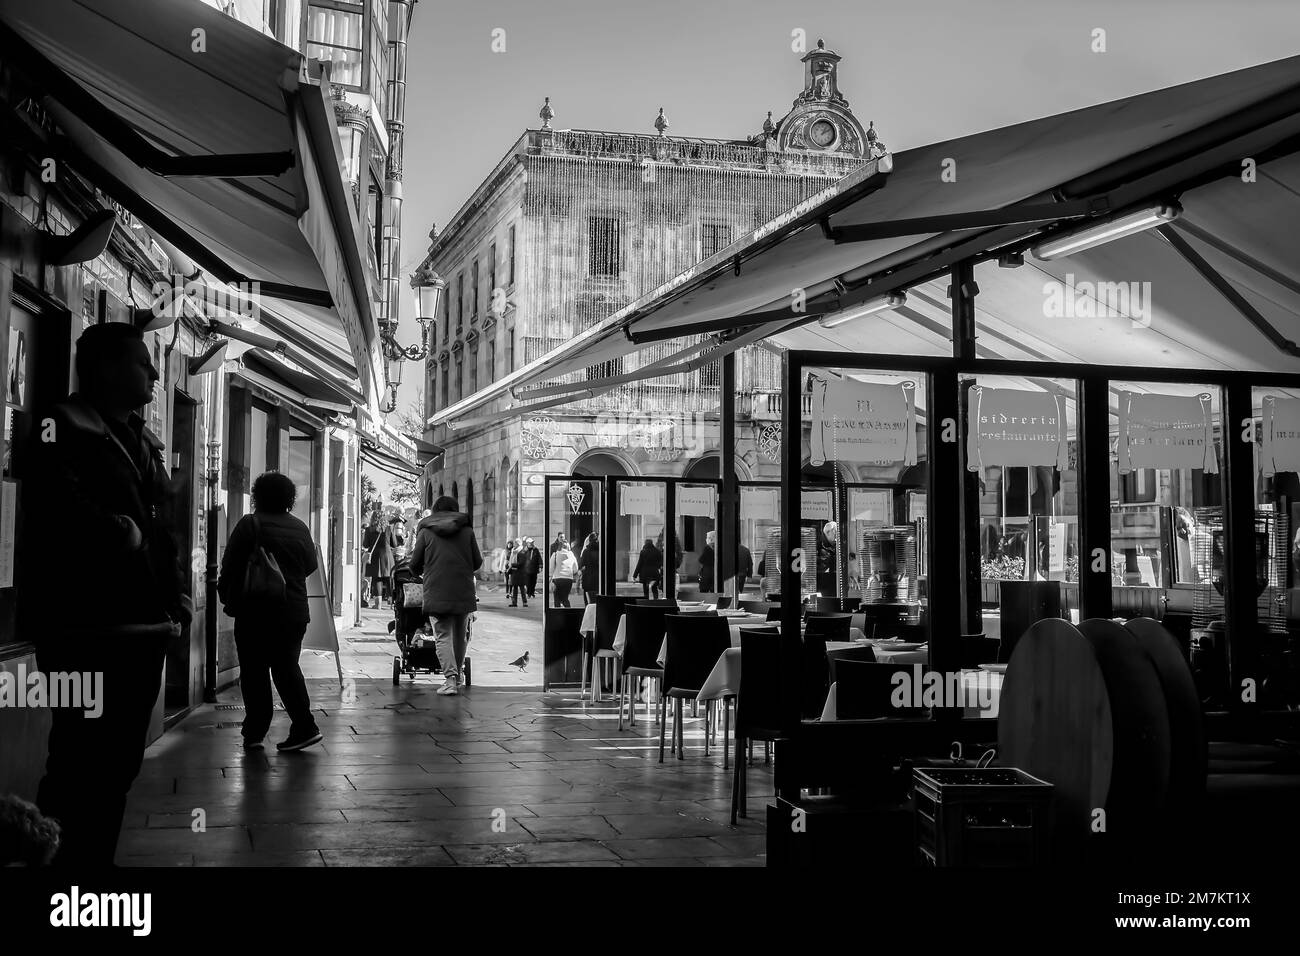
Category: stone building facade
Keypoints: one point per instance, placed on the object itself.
(572, 226)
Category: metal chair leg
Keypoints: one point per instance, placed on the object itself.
(708, 706)
(681, 730)
(582, 686)
(661, 740)
(621, 691)
(726, 734)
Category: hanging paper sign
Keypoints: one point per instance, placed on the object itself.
(1007, 426)
(642, 500)
(1166, 431)
(1280, 447)
(760, 504)
(1056, 548)
(863, 422)
(815, 506)
(697, 501)
(873, 507)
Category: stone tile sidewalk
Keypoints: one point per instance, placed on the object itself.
(502, 775)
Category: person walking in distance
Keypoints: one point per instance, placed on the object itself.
(564, 567)
(533, 562)
(519, 575)
(559, 542)
(269, 630)
(378, 545)
(589, 568)
(97, 480)
(446, 554)
(708, 560)
(649, 569)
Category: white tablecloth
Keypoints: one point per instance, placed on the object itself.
(974, 684)
(588, 625)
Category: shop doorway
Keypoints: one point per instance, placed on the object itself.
(185, 653)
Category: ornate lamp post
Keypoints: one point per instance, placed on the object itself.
(429, 288)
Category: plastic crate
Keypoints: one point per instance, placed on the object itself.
(981, 816)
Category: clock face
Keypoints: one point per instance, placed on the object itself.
(822, 133)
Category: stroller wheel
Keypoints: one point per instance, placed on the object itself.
(397, 670)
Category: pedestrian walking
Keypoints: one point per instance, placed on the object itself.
(446, 554)
(397, 527)
(533, 562)
(269, 627)
(519, 576)
(564, 568)
(559, 542)
(378, 542)
(708, 559)
(649, 569)
(100, 486)
(589, 568)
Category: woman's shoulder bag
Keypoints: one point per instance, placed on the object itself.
(263, 579)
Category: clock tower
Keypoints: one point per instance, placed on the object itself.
(821, 120)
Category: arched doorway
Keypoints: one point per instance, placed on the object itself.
(600, 464)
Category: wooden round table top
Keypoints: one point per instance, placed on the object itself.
(1055, 721)
(1188, 760)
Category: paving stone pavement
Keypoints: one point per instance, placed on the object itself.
(501, 775)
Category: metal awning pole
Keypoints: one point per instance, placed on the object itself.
(728, 536)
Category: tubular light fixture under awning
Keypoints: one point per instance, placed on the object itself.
(1092, 236)
(880, 304)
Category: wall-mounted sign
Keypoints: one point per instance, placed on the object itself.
(760, 504)
(1166, 431)
(815, 506)
(1280, 446)
(1006, 426)
(862, 422)
(873, 507)
(641, 500)
(1056, 548)
(576, 495)
(697, 501)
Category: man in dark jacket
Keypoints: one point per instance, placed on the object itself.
(519, 575)
(269, 634)
(533, 562)
(447, 555)
(98, 482)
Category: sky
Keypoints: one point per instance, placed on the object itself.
(923, 71)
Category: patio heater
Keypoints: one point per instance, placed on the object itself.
(889, 574)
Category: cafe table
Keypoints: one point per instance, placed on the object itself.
(724, 679)
(974, 683)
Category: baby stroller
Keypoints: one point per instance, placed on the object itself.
(413, 629)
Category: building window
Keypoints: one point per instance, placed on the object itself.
(512, 256)
(460, 380)
(473, 370)
(603, 257)
(379, 54)
(446, 320)
(446, 387)
(492, 361)
(510, 353)
(714, 237)
(1140, 485)
(605, 369)
(711, 375)
(492, 276)
(433, 392)
(334, 34)
(460, 301)
(473, 290)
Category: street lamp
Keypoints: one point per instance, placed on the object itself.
(429, 288)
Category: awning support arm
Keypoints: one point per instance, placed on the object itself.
(565, 388)
(1226, 289)
(1028, 214)
(60, 86)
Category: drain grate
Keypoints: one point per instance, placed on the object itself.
(228, 707)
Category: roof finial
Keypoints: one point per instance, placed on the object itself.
(821, 44)
(546, 113)
(661, 124)
(768, 127)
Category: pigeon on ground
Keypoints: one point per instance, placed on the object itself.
(521, 663)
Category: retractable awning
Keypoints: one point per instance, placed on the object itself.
(389, 463)
(308, 390)
(1220, 288)
(218, 138)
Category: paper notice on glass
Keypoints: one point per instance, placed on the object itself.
(862, 422)
(872, 507)
(760, 504)
(1166, 431)
(697, 501)
(8, 515)
(1280, 444)
(815, 506)
(641, 500)
(1007, 426)
(1056, 548)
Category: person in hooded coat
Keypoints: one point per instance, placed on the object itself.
(447, 556)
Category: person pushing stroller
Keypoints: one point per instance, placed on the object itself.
(446, 555)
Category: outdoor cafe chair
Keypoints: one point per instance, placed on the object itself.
(834, 604)
(695, 644)
(754, 607)
(609, 609)
(758, 703)
(774, 612)
(644, 630)
(864, 652)
(654, 602)
(820, 628)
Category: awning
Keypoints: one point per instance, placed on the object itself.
(231, 154)
(323, 380)
(902, 225)
(307, 390)
(389, 463)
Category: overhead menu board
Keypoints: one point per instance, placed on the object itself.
(1166, 431)
(697, 500)
(760, 504)
(641, 500)
(1280, 442)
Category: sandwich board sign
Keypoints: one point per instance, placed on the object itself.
(321, 635)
